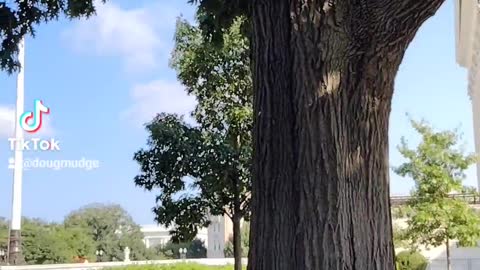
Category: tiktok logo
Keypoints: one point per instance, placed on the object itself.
(32, 121)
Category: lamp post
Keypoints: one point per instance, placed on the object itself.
(2, 256)
(99, 254)
(183, 253)
(14, 243)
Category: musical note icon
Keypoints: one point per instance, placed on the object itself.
(35, 117)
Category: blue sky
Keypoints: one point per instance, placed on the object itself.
(103, 78)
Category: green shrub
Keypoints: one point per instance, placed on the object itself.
(408, 260)
(179, 266)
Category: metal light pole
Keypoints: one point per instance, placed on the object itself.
(183, 253)
(14, 243)
(99, 254)
(2, 256)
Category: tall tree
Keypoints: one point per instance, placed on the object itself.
(19, 18)
(52, 243)
(217, 152)
(199, 175)
(323, 76)
(437, 167)
(111, 228)
(40, 246)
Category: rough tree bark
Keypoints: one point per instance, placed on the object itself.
(323, 76)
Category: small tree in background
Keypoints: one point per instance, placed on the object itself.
(437, 167)
(215, 155)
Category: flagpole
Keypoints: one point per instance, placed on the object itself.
(15, 247)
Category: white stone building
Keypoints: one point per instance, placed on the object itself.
(157, 235)
(215, 236)
(219, 233)
(467, 40)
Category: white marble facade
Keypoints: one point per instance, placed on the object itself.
(219, 233)
(157, 235)
(215, 236)
(467, 26)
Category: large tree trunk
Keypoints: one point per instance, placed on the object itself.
(323, 79)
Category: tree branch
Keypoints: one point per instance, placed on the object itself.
(247, 198)
(228, 214)
(400, 20)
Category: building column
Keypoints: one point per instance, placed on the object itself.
(474, 89)
(147, 242)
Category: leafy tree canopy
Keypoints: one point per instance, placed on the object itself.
(178, 151)
(19, 18)
(74, 241)
(204, 168)
(78, 241)
(437, 166)
(111, 228)
(220, 79)
(52, 243)
(217, 16)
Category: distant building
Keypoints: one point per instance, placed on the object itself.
(219, 233)
(467, 41)
(215, 237)
(157, 235)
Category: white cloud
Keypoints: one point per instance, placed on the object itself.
(7, 123)
(156, 97)
(132, 34)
